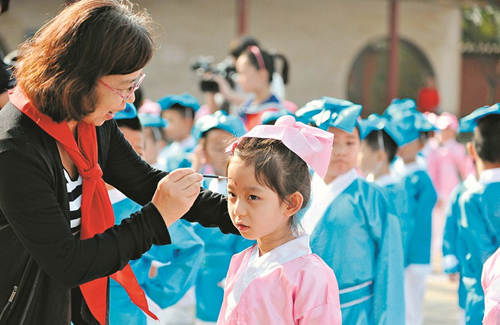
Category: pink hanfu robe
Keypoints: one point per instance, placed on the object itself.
(288, 285)
(490, 281)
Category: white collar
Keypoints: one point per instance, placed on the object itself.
(264, 265)
(413, 167)
(490, 176)
(344, 180)
(115, 196)
(323, 195)
(471, 182)
(387, 179)
(187, 143)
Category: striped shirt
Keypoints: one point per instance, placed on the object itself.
(74, 188)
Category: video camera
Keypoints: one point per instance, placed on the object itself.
(4, 5)
(203, 65)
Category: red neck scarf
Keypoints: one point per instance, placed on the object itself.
(97, 212)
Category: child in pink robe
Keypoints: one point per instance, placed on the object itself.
(490, 281)
(278, 280)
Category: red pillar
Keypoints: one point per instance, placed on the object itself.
(392, 80)
(242, 15)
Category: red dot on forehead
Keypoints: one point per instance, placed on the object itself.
(235, 183)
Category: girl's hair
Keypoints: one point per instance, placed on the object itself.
(269, 60)
(59, 68)
(276, 167)
(132, 123)
(487, 138)
(389, 146)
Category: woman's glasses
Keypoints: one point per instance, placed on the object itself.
(131, 90)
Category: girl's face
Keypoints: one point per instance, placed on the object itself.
(108, 101)
(368, 159)
(216, 143)
(254, 208)
(151, 149)
(346, 147)
(249, 78)
(409, 151)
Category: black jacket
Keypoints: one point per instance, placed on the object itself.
(40, 259)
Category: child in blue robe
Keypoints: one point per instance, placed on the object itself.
(164, 272)
(214, 133)
(454, 249)
(378, 150)
(480, 207)
(179, 111)
(351, 226)
(421, 200)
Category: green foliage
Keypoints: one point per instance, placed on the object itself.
(481, 24)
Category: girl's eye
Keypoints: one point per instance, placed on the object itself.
(252, 197)
(230, 194)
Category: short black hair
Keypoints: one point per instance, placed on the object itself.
(131, 123)
(186, 112)
(487, 138)
(390, 147)
(241, 44)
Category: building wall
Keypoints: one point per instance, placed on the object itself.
(476, 91)
(321, 38)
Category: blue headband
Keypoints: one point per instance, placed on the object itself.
(269, 117)
(469, 123)
(129, 112)
(412, 125)
(375, 122)
(330, 112)
(185, 100)
(400, 108)
(218, 120)
(150, 120)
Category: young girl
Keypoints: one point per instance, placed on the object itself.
(351, 226)
(255, 69)
(213, 133)
(378, 150)
(421, 200)
(279, 280)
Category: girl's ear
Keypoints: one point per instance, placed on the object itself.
(293, 204)
(472, 150)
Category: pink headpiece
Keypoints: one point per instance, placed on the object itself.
(258, 55)
(447, 120)
(311, 144)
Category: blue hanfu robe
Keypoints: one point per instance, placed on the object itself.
(176, 155)
(454, 249)
(177, 265)
(354, 233)
(219, 249)
(421, 200)
(480, 229)
(397, 197)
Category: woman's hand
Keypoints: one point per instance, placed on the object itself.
(176, 193)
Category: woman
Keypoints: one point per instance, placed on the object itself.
(57, 138)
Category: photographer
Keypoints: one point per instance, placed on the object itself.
(219, 82)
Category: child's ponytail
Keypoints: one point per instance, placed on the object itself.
(284, 65)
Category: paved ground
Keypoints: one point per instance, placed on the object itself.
(441, 300)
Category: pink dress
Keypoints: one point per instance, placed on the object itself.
(448, 165)
(288, 285)
(490, 280)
